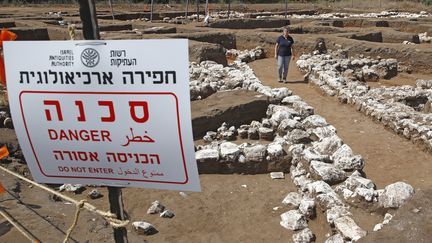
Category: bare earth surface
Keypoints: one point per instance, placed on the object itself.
(230, 208)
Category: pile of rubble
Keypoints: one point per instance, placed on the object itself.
(208, 77)
(383, 14)
(145, 228)
(327, 172)
(424, 38)
(224, 15)
(213, 16)
(404, 109)
(247, 55)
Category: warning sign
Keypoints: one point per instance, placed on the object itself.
(111, 113)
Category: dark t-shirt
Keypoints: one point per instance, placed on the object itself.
(285, 45)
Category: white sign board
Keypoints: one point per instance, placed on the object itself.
(111, 113)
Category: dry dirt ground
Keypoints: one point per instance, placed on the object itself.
(232, 208)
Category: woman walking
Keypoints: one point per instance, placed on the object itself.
(283, 51)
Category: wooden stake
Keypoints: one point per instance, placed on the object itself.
(197, 9)
(151, 11)
(112, 10)
(229, 8)
(116, 207)
(187, 9)
(91, 32)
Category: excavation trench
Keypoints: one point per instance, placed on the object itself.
(389, 158)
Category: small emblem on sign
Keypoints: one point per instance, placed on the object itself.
(90, 57)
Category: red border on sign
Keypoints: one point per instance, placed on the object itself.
(108, 93)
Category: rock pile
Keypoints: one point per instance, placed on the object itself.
(383, 14)
(424, 38)
(213, 16)
(404, 109)
(247, 55)
(209, 77)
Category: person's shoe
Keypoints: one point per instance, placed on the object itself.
(285, 81)
(280, 80)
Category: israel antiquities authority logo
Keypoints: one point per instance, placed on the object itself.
(90, 57)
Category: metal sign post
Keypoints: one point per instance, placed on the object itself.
(151, 11)
(91, 32)
(197, 10)
(112, 10)
(286, 9)
(187, 9)
(229, 8)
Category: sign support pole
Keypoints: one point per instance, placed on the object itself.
(187, 9)
(112, 10)
(151, 11)
(286, 8)
(229, 8)
(91, 32)
(197, 9)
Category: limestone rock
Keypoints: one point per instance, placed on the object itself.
(319, 133)
(210, 136)
(94, 194)
(228, 135)
(307, 207)
(310, 154)
(346, 160)
(275, 151)
(243, 133)
(256, 153)
(314, 121)
(207, 155)
(287, 125)
(328, 200)
(378, 227)
(253, 133)
(266, 133)
(370, 75)
(293, 220)
(298, 136)
(303, 236)
(167, 214)
(356, 180)
(348, 228)
(337, 238)
(336, 212)
(318, 187)
(277, 175)
(328, 145)
(229, 151)
(156, 207)
(77, 188)
(292, 199)
(387, 218)
(144, 228)
(366, 193)
(395, 195)
(327, 172)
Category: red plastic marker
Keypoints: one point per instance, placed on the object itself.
(5, 35)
